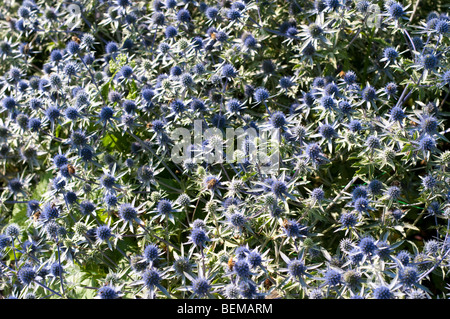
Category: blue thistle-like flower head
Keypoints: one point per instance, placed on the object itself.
(391, 90)
(164, 207)
(442, 27)
(327, 131)
(355, 126)
(32, 207)
(56, 55)
(107, 292)
(71, 69)
(332, 5)
(151, 277)
(331, 89)
(178, 106)
(186, 80)
(211, 13)
(237, 220)
(234, 14)
(73, 47)
(56, 269)
(250, 41)
(198, 237)
(183, 16)
(72, 113)
(71, 197)
(103, 233)
(434, 208)
(350, 77)
(147, 94)
(361, 205)
(78, 138)
(296, 268)
(261, 94)
(362, 6)
(408, 275)
(50, 211)
(404, 257)
(427, 143)
(286, 82)
(176, 71)
(373, 142)
(234, 106)
(293, 229)
(278, 120)
(158, 18)
(429, 182)
(127, 212)
(367, 245)
(34, 124)
(86, 207)
(106, 114)
(12, 230)
(327, 102)
(158, 126)
(428, 124)
(201, 287)
(129, 106)
(242, 269)
(382, 292)
(375, 187)
(332, 277)
(171, 31)
(348, 219)
(359, 191)
(241, 252)
(315, 31)
(369, 93)
(108, 181)
(53, 113)
(111, 47)
(279, 188)
(228, 71)
(26, 275)
(313, 151)
(123, 3)
(5, 241)
(393, 192)
(318, 194)
(86, 154)
(126, 71)
(429, 61)
(254, 259)
(396, 11)
(151, 252)
(182, 265)
(110, 200)
(390, 53)
(15, 185)
(397, 214)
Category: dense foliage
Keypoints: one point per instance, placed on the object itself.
(93, 204)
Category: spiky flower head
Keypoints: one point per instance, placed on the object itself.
(382, 292)
(198, 237)
(107, 292)
(151, 278)
(261, 94)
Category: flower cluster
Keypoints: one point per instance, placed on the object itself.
(351, 200)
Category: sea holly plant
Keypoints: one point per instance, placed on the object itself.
(228, 150)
